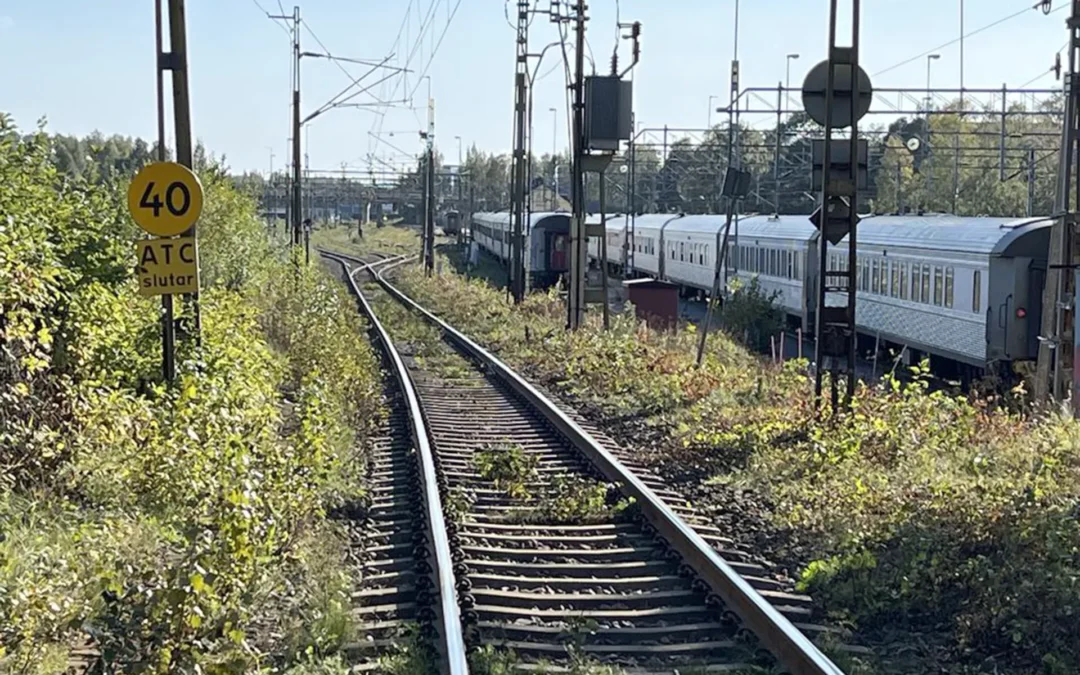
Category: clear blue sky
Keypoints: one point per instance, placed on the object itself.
(88, 64)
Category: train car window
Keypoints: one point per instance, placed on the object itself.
(976, 293)
(948, 287)
(866, 276)
(874, 287)
(789, 264)
(884, 277)
(760, 261)
(939, 287)
(894, 279)
(916, 281)
(925, 284)
(902, 274)
(798, 257)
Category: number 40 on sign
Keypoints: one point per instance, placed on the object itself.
(166, 199)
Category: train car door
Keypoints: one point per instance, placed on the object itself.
(558, 252)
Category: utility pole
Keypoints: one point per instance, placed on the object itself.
(429, 190)
(178, 63)
(575, 305)
(1056, 342)
(554, 159)
(297, 194)
(168, 326)
(520, 168)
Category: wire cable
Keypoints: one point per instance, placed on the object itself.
(1040, 5)
(1045, 72)
(438, 44)
(271, 17)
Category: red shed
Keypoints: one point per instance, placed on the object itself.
(655, 301)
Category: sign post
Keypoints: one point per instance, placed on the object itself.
(165, 199)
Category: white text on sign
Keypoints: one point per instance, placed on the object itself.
(168, 266)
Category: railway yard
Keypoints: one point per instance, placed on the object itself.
(793, 393)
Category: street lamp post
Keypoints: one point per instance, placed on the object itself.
(930, 58)
(458, 139)
(787, 80)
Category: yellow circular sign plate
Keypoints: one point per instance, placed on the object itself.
(165, 199)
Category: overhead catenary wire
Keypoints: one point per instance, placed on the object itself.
(425, 24)
(431, 57)
(1045, 72)
(271, 17)
(1039, 5)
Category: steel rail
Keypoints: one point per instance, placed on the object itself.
(787, 643)
(451, 640)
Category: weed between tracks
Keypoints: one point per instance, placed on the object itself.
(942, 525)
(508, 467)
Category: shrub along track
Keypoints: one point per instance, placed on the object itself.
(551, 566)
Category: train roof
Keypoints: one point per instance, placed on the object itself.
(961, 234)
(503, 217)
(985, 235)
(655, 220)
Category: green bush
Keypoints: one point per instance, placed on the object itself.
(180, 528)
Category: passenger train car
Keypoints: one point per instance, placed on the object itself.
(548, 235)
(967, 291)
(450, 221)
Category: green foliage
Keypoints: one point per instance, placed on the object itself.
(411, 656)
(919, 513)
(180, 527)
(487, 660)
(577, 500)
(509, 467)
(752, 314)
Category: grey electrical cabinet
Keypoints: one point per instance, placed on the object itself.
(608, 112)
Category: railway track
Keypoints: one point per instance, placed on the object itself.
(565, 554)
(398, 539)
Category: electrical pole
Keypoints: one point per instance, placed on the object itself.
(168, 327)
(429, 191)
(1056, 343)
(178, 63)
(297, 195)
(575, 304)
(554, 160)
(520, 167)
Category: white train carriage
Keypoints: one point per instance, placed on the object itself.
(548, 236)
(489, 232)
(775, 250)
(646, 235)
(615, 233)
(965, 289)
(690, 250)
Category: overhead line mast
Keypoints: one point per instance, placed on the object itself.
(520, 167)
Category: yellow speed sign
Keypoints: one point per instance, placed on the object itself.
(165, 198)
